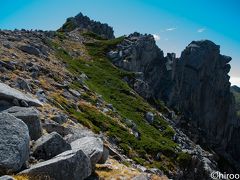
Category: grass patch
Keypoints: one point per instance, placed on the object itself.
(105, 79)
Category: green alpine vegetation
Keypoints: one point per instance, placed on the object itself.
(106, 80)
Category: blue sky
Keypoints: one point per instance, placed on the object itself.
(174, 23)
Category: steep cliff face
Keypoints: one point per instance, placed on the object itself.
(85, 23)
(139, 53)
(201, 91)
(196, 85)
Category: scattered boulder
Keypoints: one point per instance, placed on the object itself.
(150, 117)
(10, 94)
(74, 165)
(75, 93)
(23, 84)
(14, 146)
(8, 65)
(51, 126)
(30, 50)
(92, 147)
(30, 116)
(104, 155)
(76, 131)
(113, 54)
(41, 95)
(49, 146)
(60, 118)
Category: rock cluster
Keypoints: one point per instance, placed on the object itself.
(30, 116)
(85, 23)
(140, 54)
(59, 160)
(14, 146)
(15, 97)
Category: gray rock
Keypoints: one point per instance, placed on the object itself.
(113, 54)
(110, 106)
(23, 84)
(9, 94)
(30, 50)
(75, 133)
(150, 117)
(202, 93)
(31, 117)
(51, 126)
(60, 118)
(7, 65)
(74, 92)
(140, 177)
(105, 155)
(74, 165)
(49, 146)
(6, 177)
(14, 146)
(41, 96)
(105, 110)
(91, 146)
(84, 23)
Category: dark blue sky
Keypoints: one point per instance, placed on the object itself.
(175, 23)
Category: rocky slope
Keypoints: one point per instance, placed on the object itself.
(67, 112)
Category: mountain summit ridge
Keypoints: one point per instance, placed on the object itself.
(115, 100)
(85, 23)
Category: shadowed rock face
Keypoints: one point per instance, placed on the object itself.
(196, 84)
(201, 90)
(139, 53)
(85, 23)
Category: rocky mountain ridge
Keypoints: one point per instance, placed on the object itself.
(85, 23)
(196, 84)
(62, 95)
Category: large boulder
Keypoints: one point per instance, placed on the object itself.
(49, 146)
(74, 165)
(92, 147)
(30, 116)
(14, 146)
(51, 126)
(10, 94)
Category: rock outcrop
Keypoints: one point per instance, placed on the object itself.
(31, 117)
(85, 23)
(49, 146)
(140, 54)
(201, 91)
(196, 84)
(14, 96)
(92, 147)
(74, 165)
(14, 146)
